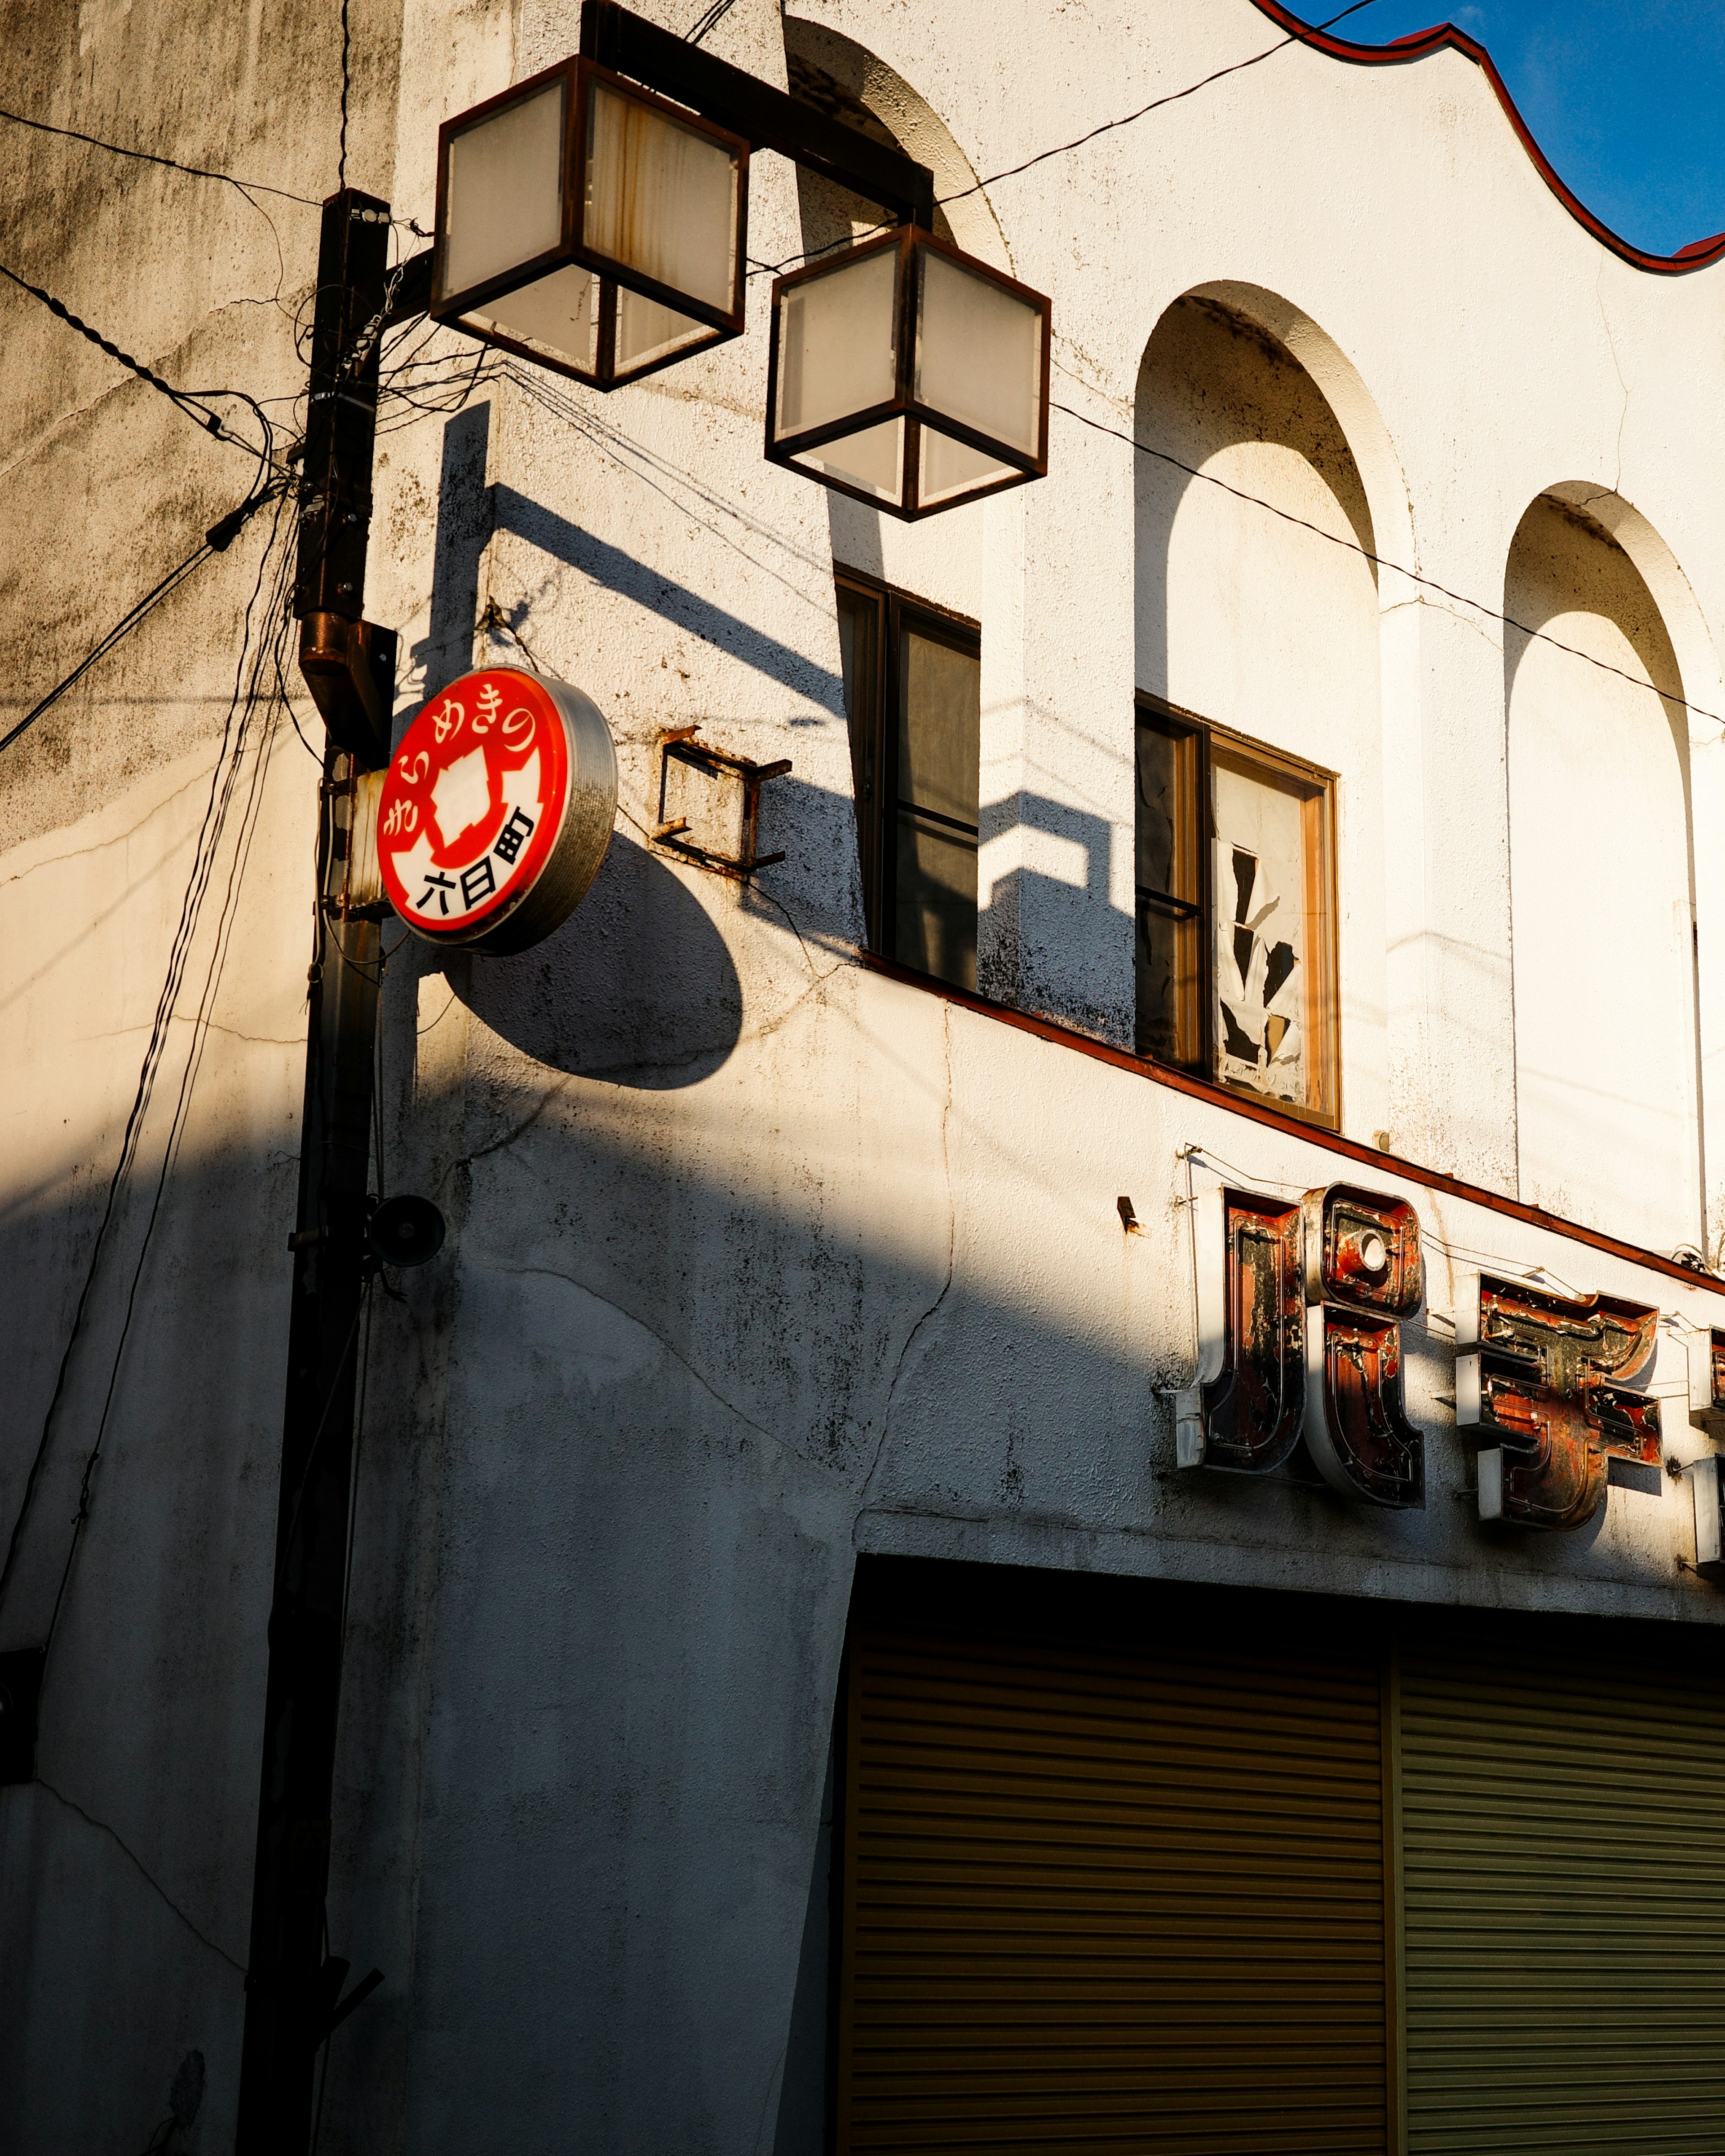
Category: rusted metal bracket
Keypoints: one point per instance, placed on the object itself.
(771, 119)
(710, 804)
(349, 666)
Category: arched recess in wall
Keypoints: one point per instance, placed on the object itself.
(844, 79)
(1602, 869)
(1258, 624)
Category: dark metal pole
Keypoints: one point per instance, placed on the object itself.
(292, 1987)
(627, 42)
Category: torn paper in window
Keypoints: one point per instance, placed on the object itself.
(1259, 881)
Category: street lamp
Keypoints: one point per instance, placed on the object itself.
(590, 225)
(909, 374)
(596, 226)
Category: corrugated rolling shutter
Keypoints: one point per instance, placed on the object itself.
(1096, 1903)
(1564, 1895)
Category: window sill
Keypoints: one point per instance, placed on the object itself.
(1262, 1111)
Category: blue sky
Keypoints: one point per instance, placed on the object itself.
(1625, 97)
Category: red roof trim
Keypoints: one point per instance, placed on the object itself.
(1697, 255)
(1293, 1126)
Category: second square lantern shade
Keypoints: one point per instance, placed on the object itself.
(590, 225)
(909, 374)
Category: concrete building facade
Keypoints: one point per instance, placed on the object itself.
(781, 1272)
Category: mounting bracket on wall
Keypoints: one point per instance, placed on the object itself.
(710, 803)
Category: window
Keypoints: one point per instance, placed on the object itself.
(913, 692)
(1236, 966)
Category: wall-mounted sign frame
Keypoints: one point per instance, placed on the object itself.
(496, 810)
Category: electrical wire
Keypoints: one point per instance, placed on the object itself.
(1414, 575)
(1173, 97)
(418, 406)
(185, 400)
(1060, 149)
(708, 21)
(342, 157)
(247, 190)
(205, 849)
(246, 702)
(150, 157)
(1463, 1252)
(219, 536)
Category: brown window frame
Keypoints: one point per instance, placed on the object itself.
(874, 741)
(1196, 903)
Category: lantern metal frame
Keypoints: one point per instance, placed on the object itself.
(910, 240)
(578, 75)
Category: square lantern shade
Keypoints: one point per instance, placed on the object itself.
(909, 374)
(590, 225)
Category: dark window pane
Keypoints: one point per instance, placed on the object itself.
(860, 635)
(859, 655)
(1158, 808)
(1168, 955)
(936, 914)
(939, 728)
(1168, 808)
(1170, 995)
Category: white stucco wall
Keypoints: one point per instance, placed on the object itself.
(758, 1259)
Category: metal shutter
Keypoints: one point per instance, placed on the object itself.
(1095, 1902)
(1564, 1896)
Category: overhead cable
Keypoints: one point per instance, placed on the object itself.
(1060, 149)
(220, 536)
(248, 699)
(150, 157)
(1173, 96)
(204, 848)
(1414, 575)
(186, 399)
(709, 20)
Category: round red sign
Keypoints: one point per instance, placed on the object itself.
(496, 809)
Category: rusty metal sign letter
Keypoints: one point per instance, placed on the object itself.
(1706, 1380)
(1706, 1412)
(1364, 1276)
(1245, 1412)
(1532, 1377)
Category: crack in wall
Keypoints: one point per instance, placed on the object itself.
(154, 1884)
(552, 1272)
(933, 1309)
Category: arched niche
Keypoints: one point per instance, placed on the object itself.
(844, 79)
(1602, 874)
(1261, 514)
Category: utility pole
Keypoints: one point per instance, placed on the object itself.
(292, 1986)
